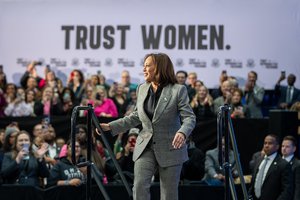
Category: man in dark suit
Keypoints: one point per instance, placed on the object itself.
(287, 94)
(288, 148)
(272, 176)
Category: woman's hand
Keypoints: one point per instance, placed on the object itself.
(178, 140)
(75, 182)
(104, 126)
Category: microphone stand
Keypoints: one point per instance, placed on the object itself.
(225, 129)
(91, 168)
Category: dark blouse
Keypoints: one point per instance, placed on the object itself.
(151, 101)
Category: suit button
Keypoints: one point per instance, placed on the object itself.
(154, 142)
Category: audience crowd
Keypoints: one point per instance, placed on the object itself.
(42, 159)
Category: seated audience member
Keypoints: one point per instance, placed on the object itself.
(49, 104)
(194, 168)
(254, 95)
(272, 177)
(214, 174)
(225, 98)
(65, 173)
(9, 138)
(238, 110)
(22, 166)
(30, 72)
(125, 156)
(202, 104)
(18, 107)
(81, 136)
(296, 107)
(287, 95)
(49, 136)
(76, 83)
(181, 77)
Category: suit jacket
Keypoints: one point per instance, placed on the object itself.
(281, 91)
(172, 114)
(296, 173)
(212, 165)
(254, 100)
(277, 184)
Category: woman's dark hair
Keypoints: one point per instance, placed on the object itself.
(164, 71)
(80, 74)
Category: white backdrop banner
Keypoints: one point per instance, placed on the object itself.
(202, 36)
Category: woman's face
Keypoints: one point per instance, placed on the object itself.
(149, 69)
(94, 79)
(30, 96)
(50, 76)
(10, 89)
(21, 140)
(77, 149)
(202, 92)
(48, 93)
(236, 97)
(77, 76)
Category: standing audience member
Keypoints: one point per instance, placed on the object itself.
(192, 78)
(30, 72)
(272, 177)
(120, 100)
(225, 98)
(218, 91)
(202, 104)
(76, 84)
(289, 94)
(21, 165)
(18, 107)
(181, 77)
(238, 110)
(254, 95)
(49, 104)
(126, 82)
(3, 103)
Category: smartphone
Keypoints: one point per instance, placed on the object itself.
(224, 72)
(38, 63)
(48, 68)
(1, 68)
(99, 72)
(132, 142)
(26, 149)
(283, 73)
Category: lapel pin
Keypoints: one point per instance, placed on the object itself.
(165, 99)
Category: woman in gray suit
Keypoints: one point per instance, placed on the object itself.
(167, 119)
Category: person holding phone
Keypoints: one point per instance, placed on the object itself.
(289, 94)
(167, 118)
(22, 166)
